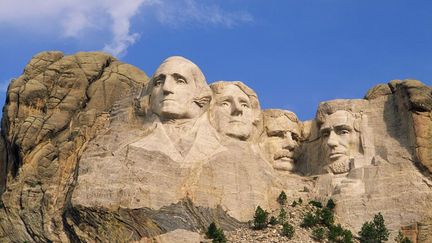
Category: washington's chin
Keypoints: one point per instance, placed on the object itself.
(173, 114)
(238, 135)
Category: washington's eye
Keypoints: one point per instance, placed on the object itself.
(181, 81)
(158, 82)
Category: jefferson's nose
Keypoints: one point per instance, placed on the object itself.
(236, 109)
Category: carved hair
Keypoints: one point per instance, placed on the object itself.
(275, 113)
(327, 108)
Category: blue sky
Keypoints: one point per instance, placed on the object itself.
(293, 53)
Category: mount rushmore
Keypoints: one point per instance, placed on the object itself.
(94, 150)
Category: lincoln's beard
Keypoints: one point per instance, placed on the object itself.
(339, 166)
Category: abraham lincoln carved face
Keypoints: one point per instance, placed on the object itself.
(340, 140)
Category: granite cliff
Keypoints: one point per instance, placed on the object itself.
(93, 150)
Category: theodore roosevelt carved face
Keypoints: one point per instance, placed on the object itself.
(234, 109)
(178, 90)
(281, 138)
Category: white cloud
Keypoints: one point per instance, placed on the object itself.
(74, 18)
(174, 12)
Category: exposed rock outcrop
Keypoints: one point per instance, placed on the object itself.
(93, 150)
(52, 111)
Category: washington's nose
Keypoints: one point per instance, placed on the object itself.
(236, 109)
(168, 85)
(332, 139)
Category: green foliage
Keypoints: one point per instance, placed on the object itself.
(326, 216)
(374, 231)
(321, 216)
(260, 218)
(273, 220)
(318, 233)
(282, 198)
(401, 238)
(293, 204)
(282, 216)
(215, 233)
(316, 203)
(309, 220)
(330, 204)
(288, 230)
(337, 234)
(300, 201)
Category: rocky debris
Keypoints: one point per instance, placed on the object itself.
(272, 233)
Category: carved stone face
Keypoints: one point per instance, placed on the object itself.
(174, 89)
(281, 141)
(339, 139)
(232, 112)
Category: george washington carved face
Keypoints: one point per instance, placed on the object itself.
(176, 89)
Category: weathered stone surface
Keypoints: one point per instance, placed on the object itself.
(92, 150)
(52, 111)
(377, 91)
(385, 174)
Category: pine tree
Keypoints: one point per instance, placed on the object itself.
(330, 204)
(288, 230)
(282, 216)
(282, 198)
(401, 238)
(337, 234)
(260, 218)
(215, 233)
(374, 231)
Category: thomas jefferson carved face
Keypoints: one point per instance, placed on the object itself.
(340, 140)
(232, 112)
(174, 88)
(281, 140)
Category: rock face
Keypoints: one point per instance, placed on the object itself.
(94, 150)
(52, 111)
